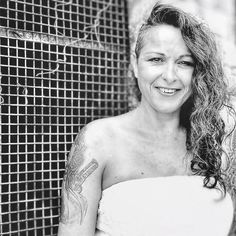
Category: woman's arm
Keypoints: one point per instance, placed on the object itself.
(81, 189)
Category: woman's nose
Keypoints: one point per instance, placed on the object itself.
(169, 73)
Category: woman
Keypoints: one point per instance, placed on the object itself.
(156, 170)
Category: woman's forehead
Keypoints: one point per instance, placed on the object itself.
(164, 37)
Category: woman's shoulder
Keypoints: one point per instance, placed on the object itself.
(107, 127)
(104, 133)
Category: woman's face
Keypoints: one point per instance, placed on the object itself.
(164, 69)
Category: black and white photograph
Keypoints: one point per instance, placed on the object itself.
(117, 118)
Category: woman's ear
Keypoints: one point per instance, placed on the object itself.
(134, 64)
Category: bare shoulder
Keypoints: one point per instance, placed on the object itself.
(103, 131)
(83, 180)
(81, 188)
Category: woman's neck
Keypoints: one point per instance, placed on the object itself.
(147, 118)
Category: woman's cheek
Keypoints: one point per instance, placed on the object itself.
(150, 74)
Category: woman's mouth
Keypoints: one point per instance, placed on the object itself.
(167, 91)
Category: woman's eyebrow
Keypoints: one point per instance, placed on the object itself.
(186, 55)
(154, 53)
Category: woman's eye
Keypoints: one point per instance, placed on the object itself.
(186, 63)
(156, 59)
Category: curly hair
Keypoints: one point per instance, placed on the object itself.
(200, 115)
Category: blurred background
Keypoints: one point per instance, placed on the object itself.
(63, 64)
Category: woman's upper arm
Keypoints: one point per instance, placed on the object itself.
(81, 189)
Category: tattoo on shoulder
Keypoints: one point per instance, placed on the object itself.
(74, 204)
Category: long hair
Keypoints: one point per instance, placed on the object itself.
(200, 115)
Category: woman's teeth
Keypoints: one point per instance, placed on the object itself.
(167, 91)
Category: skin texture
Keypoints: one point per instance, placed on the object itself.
(73, 181)
(73, 192)
(81, 172)
(166, 62)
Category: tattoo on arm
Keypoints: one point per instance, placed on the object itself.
(74, 204)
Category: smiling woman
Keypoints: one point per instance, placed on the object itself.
(158, 169)
(164, 68)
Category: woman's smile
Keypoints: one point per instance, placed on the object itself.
(167, 91)
(164, 69)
